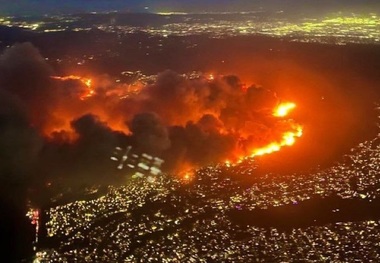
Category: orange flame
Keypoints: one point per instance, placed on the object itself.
(86, 81)
(288, 138)
(283, 109)
(186, 175)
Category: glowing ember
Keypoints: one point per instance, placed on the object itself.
(86, 81)
(283, 109)
(187, 176)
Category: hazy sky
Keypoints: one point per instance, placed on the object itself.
(69, 6)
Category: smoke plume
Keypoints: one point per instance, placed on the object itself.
(188, 122)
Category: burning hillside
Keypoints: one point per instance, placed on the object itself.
(188, 122)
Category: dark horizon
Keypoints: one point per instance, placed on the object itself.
(42, 7)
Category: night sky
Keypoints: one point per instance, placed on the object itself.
(23, 7)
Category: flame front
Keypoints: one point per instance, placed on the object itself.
(86, 81)
(288, 138)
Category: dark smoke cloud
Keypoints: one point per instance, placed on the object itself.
(19, 142)
(25, 74)
(30, 103)
(148, 133)
(86, 160)
(173, 98)
(207, 120)
(198, 144)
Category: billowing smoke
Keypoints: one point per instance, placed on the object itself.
(19, 142)
(23, 91)
(25, 74)
(148, 133)
(68, 126)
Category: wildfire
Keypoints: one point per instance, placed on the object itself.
(86, 81)
(288, 138)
